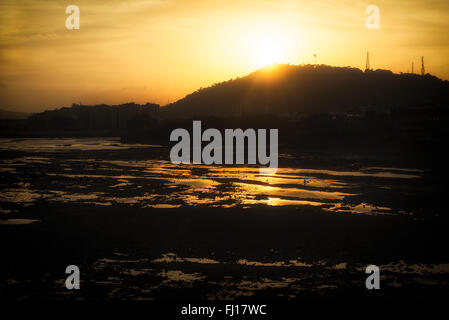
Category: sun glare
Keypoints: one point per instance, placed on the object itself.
(268, 51)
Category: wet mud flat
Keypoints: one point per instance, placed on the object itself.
(221, 253)
(140, 227)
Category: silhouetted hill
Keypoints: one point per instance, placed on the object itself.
(289, 90)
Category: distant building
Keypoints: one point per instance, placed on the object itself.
(102, 117)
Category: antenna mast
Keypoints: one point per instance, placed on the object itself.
(367, 67)
(423, 70)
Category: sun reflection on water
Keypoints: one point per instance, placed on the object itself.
(162, 185)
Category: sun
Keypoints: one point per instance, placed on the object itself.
(268, 51)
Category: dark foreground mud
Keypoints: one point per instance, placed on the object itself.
(221, 253)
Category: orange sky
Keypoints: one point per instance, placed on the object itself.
(161, 50)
